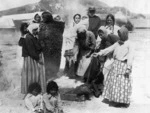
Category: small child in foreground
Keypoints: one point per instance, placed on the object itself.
(33, 100)
(52, 99)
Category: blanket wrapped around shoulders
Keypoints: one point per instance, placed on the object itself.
(51, 38)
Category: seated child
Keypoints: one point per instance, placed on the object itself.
(33, 100)
(52, 99)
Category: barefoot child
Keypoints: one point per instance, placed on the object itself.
(33, 100)
(52, 99)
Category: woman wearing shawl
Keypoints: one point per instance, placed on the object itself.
(94, 73)
(33, 66)
(77, 19)
(118, 82)
(70, 42)
(85, 43)
(106, 41)
(50, 36)
(37, 18)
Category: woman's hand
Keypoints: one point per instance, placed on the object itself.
(41, 62)
(127, 73)
(95, 54)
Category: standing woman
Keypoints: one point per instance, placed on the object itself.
(50, 36)
(33, 66)
(118, 82)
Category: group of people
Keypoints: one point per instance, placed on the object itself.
(41, 42)
(101, 57)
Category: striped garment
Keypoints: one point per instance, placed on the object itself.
(32, 72)
(117, 86)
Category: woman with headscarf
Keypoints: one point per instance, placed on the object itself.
(94, 73)
(37, 18)
(85, 42)
(118, 82)
(76, 19)
(50, 36)
(106, 41)
(70, 42)
(33, 66)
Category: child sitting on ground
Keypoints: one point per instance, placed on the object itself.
(33, 100)
(52, 99)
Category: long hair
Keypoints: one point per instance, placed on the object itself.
(112, 17)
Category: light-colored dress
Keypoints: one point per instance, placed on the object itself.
(52, 104)
(117, 87)
(33, 103)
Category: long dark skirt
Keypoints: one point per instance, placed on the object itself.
(117, 87)
(94, 71)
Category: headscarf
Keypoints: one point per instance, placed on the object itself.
(81, 28)
(33, 26)
(123, 35)
(103, 29)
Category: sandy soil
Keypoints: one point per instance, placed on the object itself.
(11, 101)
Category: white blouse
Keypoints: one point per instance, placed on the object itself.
(121, 52)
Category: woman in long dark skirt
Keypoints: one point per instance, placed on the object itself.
(50, 36)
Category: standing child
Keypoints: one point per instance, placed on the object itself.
(33, 100)
(52, 99)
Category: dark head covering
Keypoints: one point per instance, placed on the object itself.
(123, 34)
(92, 9)
(47, 17)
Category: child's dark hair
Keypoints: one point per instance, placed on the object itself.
(34, 86)
(51, 86)
(22, 26)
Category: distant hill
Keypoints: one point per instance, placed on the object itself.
(55, 6)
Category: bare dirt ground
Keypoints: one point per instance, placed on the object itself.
(11, 101)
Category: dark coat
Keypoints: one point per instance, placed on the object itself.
(30, 46)
(94, 24)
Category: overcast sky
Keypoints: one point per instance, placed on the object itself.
(137, 6)
(6, 4)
